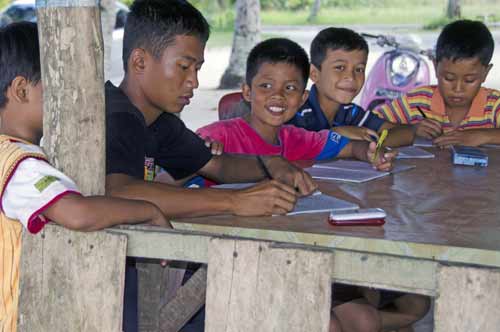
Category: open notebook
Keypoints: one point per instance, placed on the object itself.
(351, 171)
(317, 202)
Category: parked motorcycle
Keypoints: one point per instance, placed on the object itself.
(395, 72)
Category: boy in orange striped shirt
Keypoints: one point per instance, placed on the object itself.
(458, 110)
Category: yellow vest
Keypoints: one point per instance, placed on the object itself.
(10, 236)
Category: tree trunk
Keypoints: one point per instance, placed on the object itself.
(453, 9)
(246, 35)
(108, 20)
(222, 4)
(71, 51)
(314, 11)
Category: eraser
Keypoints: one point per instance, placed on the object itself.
(469, 156)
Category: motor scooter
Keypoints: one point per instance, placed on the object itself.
(395, 72)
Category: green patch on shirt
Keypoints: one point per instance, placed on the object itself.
(44, 182)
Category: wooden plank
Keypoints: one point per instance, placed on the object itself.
(378, 271)
(151, 280)
(253, 286)
(71, 281)
(71, 52)
(468, 300)
(413, 275)
(158, 285)
(187, 301)
(159, 242)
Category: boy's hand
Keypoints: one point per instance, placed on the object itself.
(217, 148)
(428, 128)
(460, 137)
(159, 219)
(357, 133)
(281, 170)
(265, 198)
(384, 160)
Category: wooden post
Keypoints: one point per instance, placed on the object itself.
(71, 281)
(71, 51)
(468, 300)
(257, 286)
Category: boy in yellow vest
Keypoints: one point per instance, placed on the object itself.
(32, 192)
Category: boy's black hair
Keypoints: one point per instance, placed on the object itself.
(19, 55)
(465, 39)
(277, 50)
(154, 24)
(335, 39)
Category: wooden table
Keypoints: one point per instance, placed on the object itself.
(436, 212)
(441, 238)
(442, 234)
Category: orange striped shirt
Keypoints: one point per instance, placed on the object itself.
(483, 113)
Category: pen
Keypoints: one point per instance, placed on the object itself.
(421, 112)
(263, 167)
(380, 141)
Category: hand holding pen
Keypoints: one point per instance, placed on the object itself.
(381, 158)
(428, 128)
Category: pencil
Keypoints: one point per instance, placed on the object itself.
(421, 112)
(380, 141)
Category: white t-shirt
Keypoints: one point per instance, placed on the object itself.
(33, 187)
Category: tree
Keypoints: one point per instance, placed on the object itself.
(453, 9)
(222, 4)
(315, 7)
(246, 35)
(108, 20)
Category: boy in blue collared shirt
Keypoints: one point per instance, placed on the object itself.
(338, 62)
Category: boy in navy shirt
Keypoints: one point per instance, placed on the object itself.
(338, 62)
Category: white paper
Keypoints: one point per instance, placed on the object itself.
(420, 141)
(320, 202)
(317, 202)
(351, 171)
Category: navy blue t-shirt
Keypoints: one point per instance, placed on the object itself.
(310, 116)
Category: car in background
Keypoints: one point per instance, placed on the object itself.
(25, 10)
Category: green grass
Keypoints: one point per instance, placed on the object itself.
(396, 12)
(366, 15)
(223, 38)
(420, 14)
(4, 3)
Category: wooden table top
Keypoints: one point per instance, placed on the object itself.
(435, 211)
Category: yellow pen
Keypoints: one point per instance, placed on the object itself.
(380, 141)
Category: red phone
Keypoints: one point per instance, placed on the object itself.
(361, 217)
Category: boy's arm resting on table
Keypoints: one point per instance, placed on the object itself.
(230, 168)
(356, 133)
(92, 213)
(266, 198)
(469, 137)
(399, 134)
